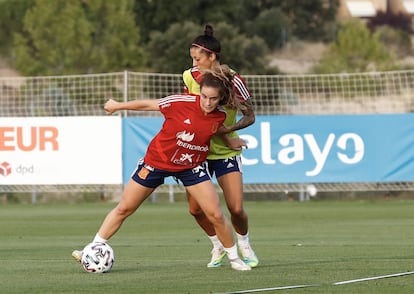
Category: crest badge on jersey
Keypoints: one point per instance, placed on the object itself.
(214, 128)
(143, 173)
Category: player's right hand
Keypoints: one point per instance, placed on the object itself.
(110, 106)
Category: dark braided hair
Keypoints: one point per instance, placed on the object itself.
(207, 42)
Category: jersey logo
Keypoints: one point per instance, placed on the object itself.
(188, 137)
(186, 157)
(143, 173)
(187, 121)
(214, 128)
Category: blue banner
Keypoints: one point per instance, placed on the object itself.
(308, 149)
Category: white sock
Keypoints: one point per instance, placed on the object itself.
(99, 239)
(215, 241)
(232, 252)
(243, 240)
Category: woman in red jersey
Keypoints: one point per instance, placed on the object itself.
(223, 162)
(179, 150)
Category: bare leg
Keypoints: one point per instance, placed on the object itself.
(232, 186)
(206, 196)
(200, 217)
(133, 196)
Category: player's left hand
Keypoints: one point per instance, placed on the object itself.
(236, 143)
(223, 130)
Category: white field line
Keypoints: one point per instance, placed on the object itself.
(268, 289)
(315, 285)
(373, 278)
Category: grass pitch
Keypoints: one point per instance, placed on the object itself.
(160, 249)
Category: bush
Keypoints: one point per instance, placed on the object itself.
(356, 49)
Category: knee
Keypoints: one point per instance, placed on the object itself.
(237, 212)
(217, 218)
(123, 211)
(196, 211)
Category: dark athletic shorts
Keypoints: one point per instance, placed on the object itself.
(220, 167)
(152, 177)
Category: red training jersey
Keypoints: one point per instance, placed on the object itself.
(184, 139)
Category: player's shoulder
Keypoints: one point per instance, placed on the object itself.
(177, 98)
(192, 73)
(221, 110)
(236, 75)
(233, 71)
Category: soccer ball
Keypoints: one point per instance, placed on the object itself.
(97, 258)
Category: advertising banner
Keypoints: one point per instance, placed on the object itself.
(308, 149)
(60, 150)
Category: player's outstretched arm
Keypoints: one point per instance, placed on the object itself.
(112, 106)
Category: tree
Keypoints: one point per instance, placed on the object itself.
(356, 50)
(245, 54)
(308, 20)
(272, 26)
(169, 51)
(71, 37)
(11, 21)
(394, 31)
(159, 15)
(395, 40)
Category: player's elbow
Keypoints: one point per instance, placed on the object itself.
(251, 119)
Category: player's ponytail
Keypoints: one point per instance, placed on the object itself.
(208, 30)
(207, 42)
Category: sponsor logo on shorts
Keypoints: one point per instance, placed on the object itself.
(200, 170)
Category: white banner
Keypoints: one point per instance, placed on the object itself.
(61, 150)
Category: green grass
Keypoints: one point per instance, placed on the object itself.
(160, 249)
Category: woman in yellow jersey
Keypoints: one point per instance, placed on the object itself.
(222, 161)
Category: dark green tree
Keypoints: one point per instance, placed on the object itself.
(159, 15)
(244, 54)
(71, 37)
(312, 19)
(11, 21)
(272, 26)
(169, 51)
(308, 20)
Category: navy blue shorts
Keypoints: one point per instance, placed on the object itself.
(152, 177)
(220, 167)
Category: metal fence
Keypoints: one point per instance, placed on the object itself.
(84, 95)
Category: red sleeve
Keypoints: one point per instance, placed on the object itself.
(195, 72)
(185, 89)
(240, 88)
